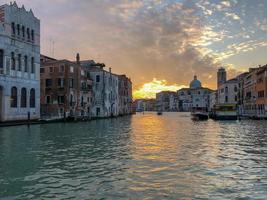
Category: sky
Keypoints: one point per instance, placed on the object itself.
(159, 44)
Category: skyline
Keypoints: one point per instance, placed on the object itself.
(157, 40)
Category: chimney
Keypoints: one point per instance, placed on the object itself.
(78, 58)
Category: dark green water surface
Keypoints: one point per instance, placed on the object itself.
(135, 157)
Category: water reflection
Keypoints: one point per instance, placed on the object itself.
(139, 157)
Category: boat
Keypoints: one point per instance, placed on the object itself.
(225, 112)
(199, 114)
(159, 113)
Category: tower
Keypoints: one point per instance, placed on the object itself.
(221, 76)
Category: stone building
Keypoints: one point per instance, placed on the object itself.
(66, 89)
(19, 63)
(195, 97)
(105, 90)
(228, 92)
(125, 95)
(261, 91)
(166, 101)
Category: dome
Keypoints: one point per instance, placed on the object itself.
(195, 83)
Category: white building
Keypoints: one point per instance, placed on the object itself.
(195, 97)
(166, 101)
(19, 63)
(227, 92)
(212, 100)
(105, 90)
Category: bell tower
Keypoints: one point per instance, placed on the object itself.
(221, 77)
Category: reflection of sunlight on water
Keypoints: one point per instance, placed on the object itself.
(136, 157)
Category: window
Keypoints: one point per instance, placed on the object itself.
(235, 98)
(32, 66)
(23, 31)
(13, 61)
(71, 83)
(18, 29)
(235, 89)
(28, 33)
(14, 97)
(97, 111)
(1, 58)
(60, 99)
(26, 63)
(13, 28)
(82, 101)
(71, 100)
(19, 62)
(261, 94)
(32, 34)
(226, 89)
(97, 78)
(71, 69)
(48, 99)
(32, 98)
(42, 70)
(60, 82)
(62, 68)
(23, 98)
(226, 99)
(48, 83)
(51, 69)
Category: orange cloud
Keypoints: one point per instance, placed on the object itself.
(149, 90)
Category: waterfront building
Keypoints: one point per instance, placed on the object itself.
(250, 94)
(125, 95)
(212, 100)
(166, 101)
(19, 63)
(228, 91)
(66, 89)
(141, 105)
(261, 92)
(105, 90)
(195, 97)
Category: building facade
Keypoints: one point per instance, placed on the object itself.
(66, 89)
(261, 91)
(125, 95)
(19, 64)
(228, 92)
(105, 90)
(166, 101)
(194, 97)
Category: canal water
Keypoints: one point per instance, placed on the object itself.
(135, 157)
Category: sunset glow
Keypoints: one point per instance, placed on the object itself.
(149, 90)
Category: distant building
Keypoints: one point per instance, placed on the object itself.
(261, 91)
(125, 95)
(221, 77)
(166, 101)
(141, 105)
(19, 63)
(195, 97)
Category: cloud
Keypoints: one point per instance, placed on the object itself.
(169, 40)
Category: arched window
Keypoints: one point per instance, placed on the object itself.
(26, 63)
(28, 34)
(13, 61)
(32, 35)
(14, 97)
(19, 62)
(32, 65)
(18, 29)
(1, 58)
(23, 98)
(32, 98)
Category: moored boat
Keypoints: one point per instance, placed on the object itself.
(225, 112)
(200, 115)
